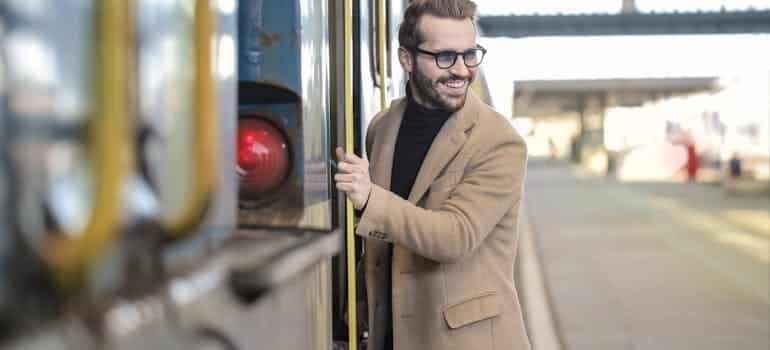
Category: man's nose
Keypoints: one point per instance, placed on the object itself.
(459, 69)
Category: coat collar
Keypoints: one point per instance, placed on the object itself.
(446, 145)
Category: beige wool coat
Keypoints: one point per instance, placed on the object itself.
(455, 238)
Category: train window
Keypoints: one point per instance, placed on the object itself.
(374, 51)
(374, 41)
(388, 41)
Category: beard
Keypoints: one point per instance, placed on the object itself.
(427, 94)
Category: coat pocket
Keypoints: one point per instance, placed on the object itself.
(478, 308)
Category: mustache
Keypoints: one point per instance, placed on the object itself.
(453, 77)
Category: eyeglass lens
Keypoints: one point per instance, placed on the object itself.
(447, 59)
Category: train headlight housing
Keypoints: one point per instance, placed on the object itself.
(263, 158)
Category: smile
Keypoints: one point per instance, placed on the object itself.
(455, 87)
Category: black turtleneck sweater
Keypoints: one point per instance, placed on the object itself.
(418, 129)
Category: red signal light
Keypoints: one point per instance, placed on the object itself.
(263, 157)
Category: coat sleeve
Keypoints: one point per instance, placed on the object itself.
(491, 186)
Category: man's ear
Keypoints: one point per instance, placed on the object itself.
(405, 58)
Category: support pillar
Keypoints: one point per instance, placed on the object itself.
(629, 7)
(576, 148)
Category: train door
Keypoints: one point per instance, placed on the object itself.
(375, 82)
(273, 282)
(378, 78)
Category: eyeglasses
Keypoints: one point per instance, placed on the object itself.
(446, 59)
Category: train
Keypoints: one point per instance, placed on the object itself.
(167, 169)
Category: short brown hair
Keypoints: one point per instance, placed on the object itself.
(408, 35)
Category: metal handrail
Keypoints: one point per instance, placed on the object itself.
(349, 147)
(204, 172)
(108, 141)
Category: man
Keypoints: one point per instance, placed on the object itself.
(440, 210)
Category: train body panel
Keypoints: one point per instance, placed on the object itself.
(202, 133)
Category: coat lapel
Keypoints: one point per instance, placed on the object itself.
(385, 144)
(447, 143)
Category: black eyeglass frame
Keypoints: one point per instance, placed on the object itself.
(456, 54)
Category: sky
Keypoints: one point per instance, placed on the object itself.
(499, 7)
(620, 57)
(612, 57)
(604, 57)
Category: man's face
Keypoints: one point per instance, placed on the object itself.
(435, 87)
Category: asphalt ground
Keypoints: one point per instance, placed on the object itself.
(614, 265)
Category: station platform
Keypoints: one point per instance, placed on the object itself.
(611, 265)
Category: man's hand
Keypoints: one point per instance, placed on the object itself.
(353, 178)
